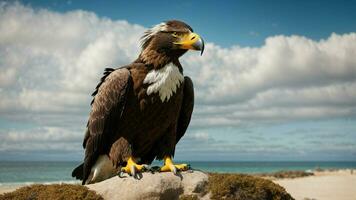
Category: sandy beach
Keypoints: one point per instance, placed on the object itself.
(325, 185)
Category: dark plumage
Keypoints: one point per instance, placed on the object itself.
(141, 111)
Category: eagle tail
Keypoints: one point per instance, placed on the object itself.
(78, 172)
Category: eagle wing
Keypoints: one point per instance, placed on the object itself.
(186, 109)
(107, 108)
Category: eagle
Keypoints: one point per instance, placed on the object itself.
(140, 111)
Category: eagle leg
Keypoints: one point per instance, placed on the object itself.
(170, 167)
(132, 167)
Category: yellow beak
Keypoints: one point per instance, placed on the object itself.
(191, 41)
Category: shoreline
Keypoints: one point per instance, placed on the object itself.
(6, 189)
(10, 187)
(321, 184)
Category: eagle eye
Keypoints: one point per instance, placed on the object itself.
(175, 34)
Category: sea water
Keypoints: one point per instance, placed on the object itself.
(25, 173)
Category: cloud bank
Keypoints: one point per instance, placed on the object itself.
(51, 62)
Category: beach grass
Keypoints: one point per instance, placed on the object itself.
(52, 191)
(285, 174)
(245, 187)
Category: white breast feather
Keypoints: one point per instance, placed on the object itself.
(165, 81)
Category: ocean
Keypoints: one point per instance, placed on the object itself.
(25, 173)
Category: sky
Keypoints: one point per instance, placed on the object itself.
(277, 80)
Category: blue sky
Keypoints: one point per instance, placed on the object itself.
(228, 23)
(277, 80)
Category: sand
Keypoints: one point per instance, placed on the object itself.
(9, 188)
(327, 185)
(4, 189)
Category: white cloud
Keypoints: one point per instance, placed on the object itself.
(41, 139)
(288, 78)
(317, 142)
(51, 61)
(239, 73)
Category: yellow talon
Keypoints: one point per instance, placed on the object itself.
(131, 167)
(170, 167)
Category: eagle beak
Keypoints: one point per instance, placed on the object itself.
(191, 41)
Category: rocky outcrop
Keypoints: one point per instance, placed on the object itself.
(154, 186)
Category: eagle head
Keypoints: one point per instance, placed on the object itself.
(172, 38)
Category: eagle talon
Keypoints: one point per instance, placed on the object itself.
(121, 174)
(145, 168)
(132, 168)
(170, 167)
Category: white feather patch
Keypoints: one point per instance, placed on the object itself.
(154, 30)
(101, 170)
(165, 81)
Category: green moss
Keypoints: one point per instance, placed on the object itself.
(54, 191)
(245, 187)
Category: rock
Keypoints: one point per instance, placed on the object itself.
(154, 186)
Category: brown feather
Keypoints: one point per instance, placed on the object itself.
(120, 151)
(107, 108)
(187, 108)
